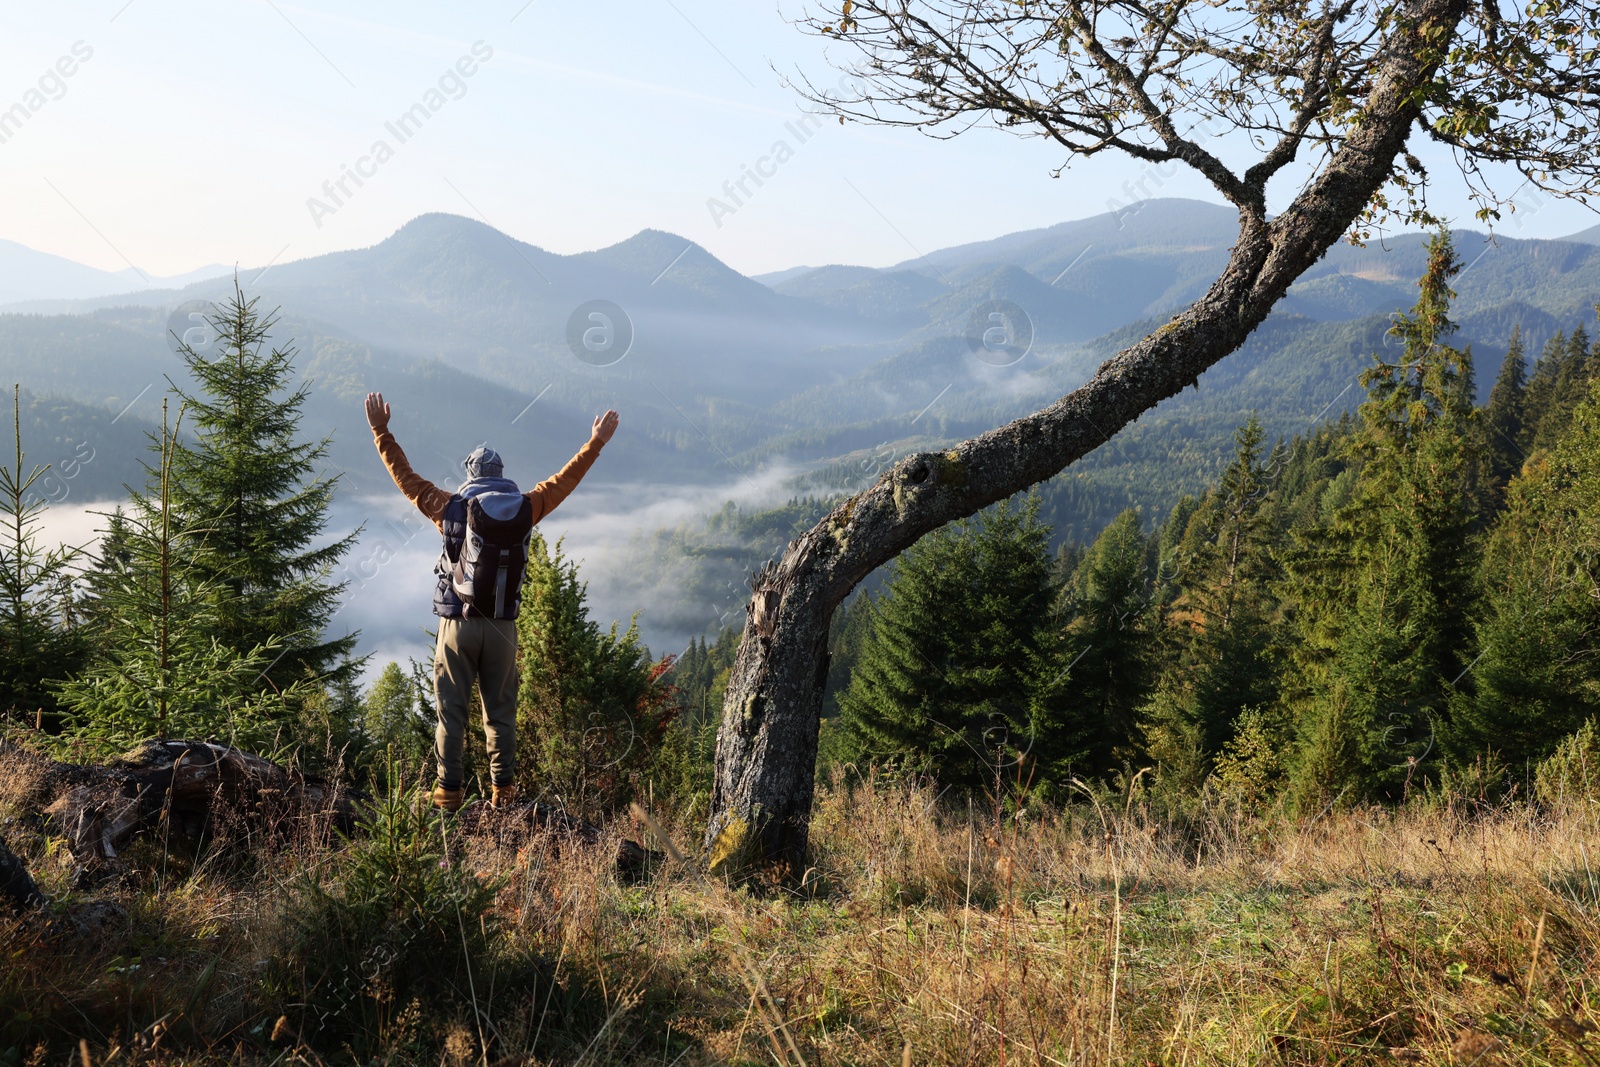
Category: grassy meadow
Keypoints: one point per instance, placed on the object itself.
(1113, 932)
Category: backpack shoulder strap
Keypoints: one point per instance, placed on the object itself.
(453, 530)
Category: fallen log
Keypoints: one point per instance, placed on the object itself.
(188, 788)
(181, 786)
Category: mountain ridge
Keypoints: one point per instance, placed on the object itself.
(712, 365)
(810, 384)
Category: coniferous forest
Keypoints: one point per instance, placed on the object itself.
(1398, 601)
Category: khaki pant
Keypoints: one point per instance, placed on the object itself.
(483, 651)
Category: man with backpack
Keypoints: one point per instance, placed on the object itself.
(487, 525)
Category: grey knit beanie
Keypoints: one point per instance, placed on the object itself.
(484, 463)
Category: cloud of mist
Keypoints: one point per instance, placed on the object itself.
(612, 532)
(605, 529)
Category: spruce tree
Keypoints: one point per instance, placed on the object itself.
(1382, 591)
(159, 669)
(326, 735)
(36, 647)
(1100, 669)
(1536, 679)
(1068, 558)
(945, 679)
(252, 486)
(392, 719)
(698, 679)
(1504, 416)
(1568, 389)
(1306, 474)
(699, 676)
(1221, 617)
(592, 709)
(691, 676)
(1171, 560)
(1542, 395)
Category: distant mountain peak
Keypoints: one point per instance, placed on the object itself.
(658, 255)
(1156, 222)
(652, 242)
(443, 225)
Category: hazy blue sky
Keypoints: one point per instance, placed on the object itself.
(195, 133)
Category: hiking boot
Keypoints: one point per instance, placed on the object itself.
(447, 799)
(504, 796)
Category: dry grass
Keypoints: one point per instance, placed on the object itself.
(930, 934)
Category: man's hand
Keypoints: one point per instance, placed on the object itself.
(604, 425)
(378, 413)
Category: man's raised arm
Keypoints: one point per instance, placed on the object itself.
(553, 490)
(429, 498)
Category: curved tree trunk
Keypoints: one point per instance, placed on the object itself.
(767, 743)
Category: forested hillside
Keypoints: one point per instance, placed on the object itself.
(1379, 602)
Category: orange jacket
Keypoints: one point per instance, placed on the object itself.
(431, 500)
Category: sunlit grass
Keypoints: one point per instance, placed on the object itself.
(1108, 933)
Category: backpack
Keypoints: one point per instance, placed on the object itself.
(487, 571)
